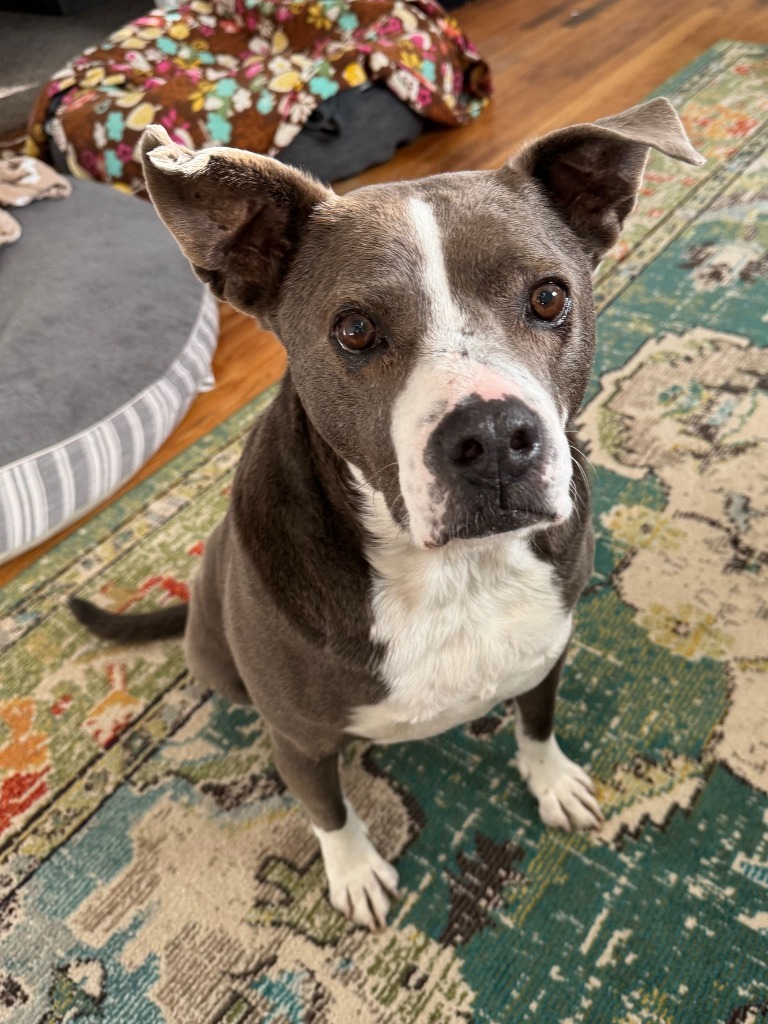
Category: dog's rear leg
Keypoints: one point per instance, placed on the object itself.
(208, 657)
(360, 881)
(565, 793)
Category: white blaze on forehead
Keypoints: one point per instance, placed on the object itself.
(453, 364)
(444, 314)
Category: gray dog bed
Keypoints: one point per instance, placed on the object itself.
(105, 338)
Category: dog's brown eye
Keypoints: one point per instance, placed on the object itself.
(548, 301)
(355, 332)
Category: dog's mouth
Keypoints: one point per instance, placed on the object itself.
(484, 524)
(487, 466)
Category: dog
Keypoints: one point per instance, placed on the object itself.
(409, 528)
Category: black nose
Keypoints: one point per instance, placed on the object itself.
(480, 442)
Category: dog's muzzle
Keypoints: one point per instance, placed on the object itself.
(489, 459)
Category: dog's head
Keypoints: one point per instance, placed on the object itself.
(440, 332)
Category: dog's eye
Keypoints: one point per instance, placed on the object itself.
(549, 301)
(355, 332)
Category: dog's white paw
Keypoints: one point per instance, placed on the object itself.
(565, 792)
(360, 881)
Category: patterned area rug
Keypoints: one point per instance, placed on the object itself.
(153, 868)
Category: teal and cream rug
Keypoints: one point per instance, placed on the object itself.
(152, 868)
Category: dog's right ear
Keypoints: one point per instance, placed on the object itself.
(237, 216)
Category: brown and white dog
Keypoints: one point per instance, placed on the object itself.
(409, 528)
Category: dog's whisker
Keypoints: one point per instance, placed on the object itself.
(584, 477)
(383, 469)
(579, 452)
(581, 469)
(398, 500)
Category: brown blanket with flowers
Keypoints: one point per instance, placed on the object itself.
(249, 73)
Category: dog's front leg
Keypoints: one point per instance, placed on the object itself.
(360, 881)
(565, 793)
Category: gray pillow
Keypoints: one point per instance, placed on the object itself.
(105, 337)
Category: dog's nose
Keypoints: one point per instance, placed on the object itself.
(483, 441)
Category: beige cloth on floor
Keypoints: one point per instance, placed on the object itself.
(10, 229)
(24, 179)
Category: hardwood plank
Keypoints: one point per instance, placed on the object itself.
(554, 63)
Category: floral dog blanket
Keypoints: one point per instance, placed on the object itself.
(249, 73)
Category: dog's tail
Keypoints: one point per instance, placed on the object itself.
(137, 628)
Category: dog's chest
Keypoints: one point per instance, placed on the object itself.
(463, 628)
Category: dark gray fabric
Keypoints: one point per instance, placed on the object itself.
(351, 131)
(96, 302)
(34, 46)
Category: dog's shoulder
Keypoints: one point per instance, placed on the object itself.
(295, 529)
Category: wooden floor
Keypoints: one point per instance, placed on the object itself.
(554, 63)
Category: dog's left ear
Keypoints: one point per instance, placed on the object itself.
(592, 172)
(237, 216)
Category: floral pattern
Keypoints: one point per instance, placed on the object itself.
(249, 73)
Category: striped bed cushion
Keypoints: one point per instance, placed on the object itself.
(83, 406)
(43, 493)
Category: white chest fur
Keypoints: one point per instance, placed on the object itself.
(465, 626)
